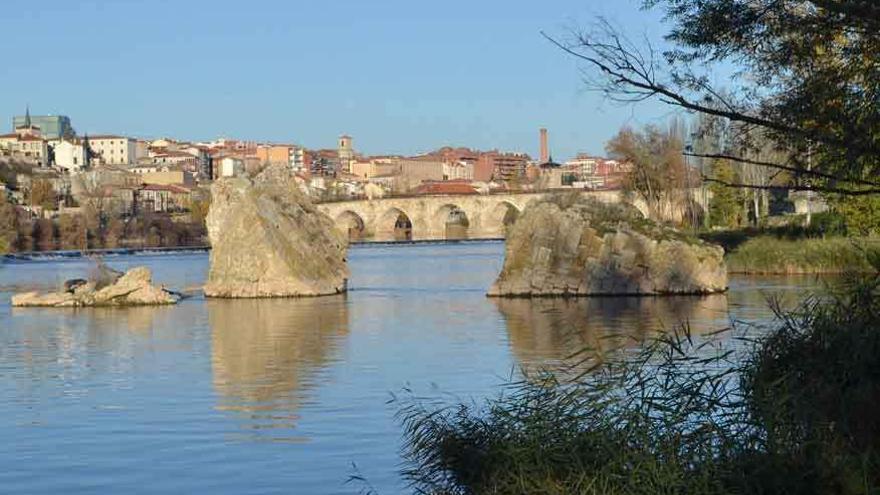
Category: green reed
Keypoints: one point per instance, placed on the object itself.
(795, 410)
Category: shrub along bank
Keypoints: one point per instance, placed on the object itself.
(793, 412)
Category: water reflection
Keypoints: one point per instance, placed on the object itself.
(545, 332)
(265, 354)
(70, 344)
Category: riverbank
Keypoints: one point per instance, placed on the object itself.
(767, 254)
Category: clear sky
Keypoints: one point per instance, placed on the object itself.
(400, 76)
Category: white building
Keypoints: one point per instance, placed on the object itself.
(231, 167)
(458, 170)
(584, 164)
(298, 159)
(114, 150)
(70, 154)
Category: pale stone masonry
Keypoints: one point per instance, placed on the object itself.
(268, 240)
(568, 246)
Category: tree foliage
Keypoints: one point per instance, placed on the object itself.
(658, 172)
(860, 214)
(808, 80)
(198, 210)
(8, 224)
(726, 206)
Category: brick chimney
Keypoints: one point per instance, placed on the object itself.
(545, 150)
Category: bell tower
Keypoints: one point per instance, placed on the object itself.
(345, 152)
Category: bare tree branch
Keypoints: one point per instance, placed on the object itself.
(795, 187)
(633, 79)
(801, 171)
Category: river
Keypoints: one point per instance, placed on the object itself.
(285, 396)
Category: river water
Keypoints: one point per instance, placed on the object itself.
(285, 396)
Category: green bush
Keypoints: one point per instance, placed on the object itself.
(813, 386)
(793, 412)
(827, 223)
(860, 213)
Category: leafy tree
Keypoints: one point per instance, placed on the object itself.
(860, 214)
(808, 80)
(198, 210)
(658, 172)
(8, 225)
(725, 208)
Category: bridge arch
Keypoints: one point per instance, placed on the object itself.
(351, 224)
(394, 224)
(501, 217)
(451, 221)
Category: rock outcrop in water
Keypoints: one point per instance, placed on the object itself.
(578, 247)
(134, 288)
(269, 240)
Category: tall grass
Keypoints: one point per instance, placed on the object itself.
(795, 411)
(772, 255)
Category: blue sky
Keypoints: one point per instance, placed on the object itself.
(399, 76)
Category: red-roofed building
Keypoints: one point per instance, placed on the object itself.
(164, 198)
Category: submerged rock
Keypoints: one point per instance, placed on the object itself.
(269, 240)
(580, 247)
(134, 288)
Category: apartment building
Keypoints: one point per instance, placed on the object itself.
(281, 154)
(500, 166)
(114, 150)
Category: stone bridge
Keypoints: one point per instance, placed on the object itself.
(440, 217)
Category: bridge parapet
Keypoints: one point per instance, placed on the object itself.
(442, 216)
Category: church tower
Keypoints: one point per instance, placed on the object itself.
(345, 153)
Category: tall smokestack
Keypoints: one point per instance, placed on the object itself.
(545, 150)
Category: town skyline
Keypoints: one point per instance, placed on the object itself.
(490, 87)
(538, 152)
